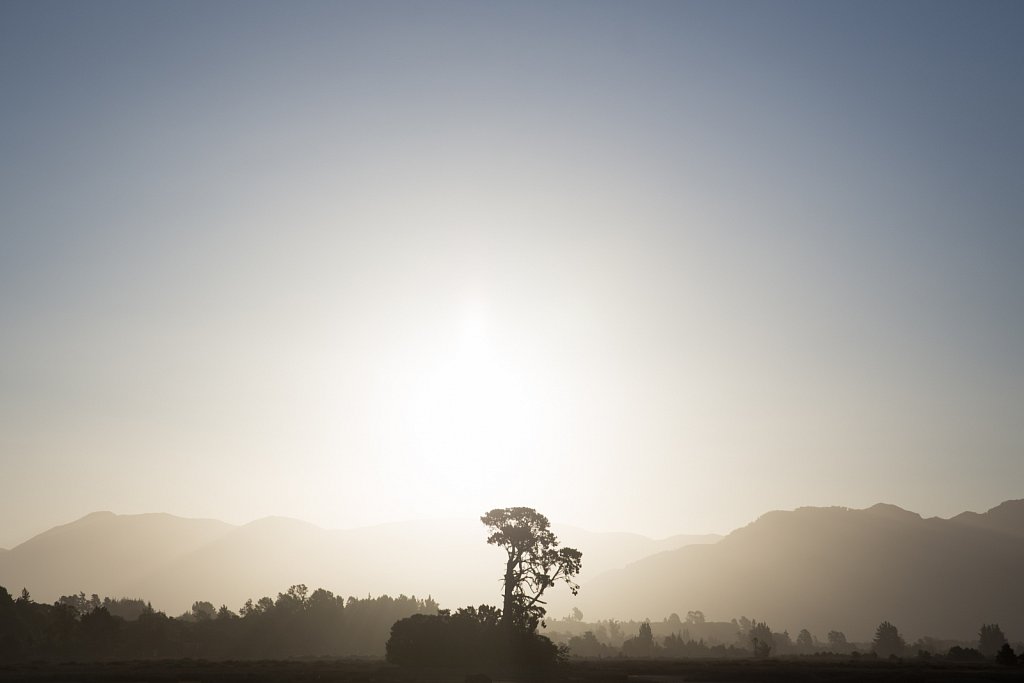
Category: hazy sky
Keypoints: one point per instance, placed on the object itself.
(647, 266)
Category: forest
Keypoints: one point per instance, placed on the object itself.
(303, 623)
(295, 623)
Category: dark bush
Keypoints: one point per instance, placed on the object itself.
(964, 654)
(1006, 656)
(470, 638)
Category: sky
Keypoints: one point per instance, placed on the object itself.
(657, 267)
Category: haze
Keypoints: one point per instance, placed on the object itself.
(656, 267)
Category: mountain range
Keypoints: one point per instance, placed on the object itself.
(842, 569)
(173, 561)
(816, 568)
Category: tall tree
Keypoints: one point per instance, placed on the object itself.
(534, 563)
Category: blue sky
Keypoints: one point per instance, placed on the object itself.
(649, 266)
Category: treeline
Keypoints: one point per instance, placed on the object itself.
(696, 637)
(297, 623)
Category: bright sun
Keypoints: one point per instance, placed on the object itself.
(465, 410)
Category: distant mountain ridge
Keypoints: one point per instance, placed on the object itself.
(838, 568)
(174, 561)
(1007, 518)
(816, 568)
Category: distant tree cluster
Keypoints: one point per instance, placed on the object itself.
(697, 637)
(296, 623)
(125, 608)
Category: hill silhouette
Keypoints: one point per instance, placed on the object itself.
(1006, 518)
(99, 551)
(814, 568)
(173, 561)
(837, 568)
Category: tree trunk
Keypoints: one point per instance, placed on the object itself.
(508, 608)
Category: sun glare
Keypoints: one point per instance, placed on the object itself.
(465, 409)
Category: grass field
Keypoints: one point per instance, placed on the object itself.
(595, 671)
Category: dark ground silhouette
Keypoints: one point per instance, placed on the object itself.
(590, 671)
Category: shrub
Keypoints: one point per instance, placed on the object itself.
(467, 639)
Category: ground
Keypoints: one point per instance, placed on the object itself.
(804, 670)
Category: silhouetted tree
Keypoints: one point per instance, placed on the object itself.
(760, 639)
(837, 641)
(534, 563)
(488, 636)
(588, 645)
(615, 633)
(990, 640)
(888, 642)
(202, 610)
(1006, 656)
(804, 641)
(782, 642)
(128, 609)
(641, 645)
(695, 617)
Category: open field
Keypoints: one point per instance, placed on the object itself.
(604, 671)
